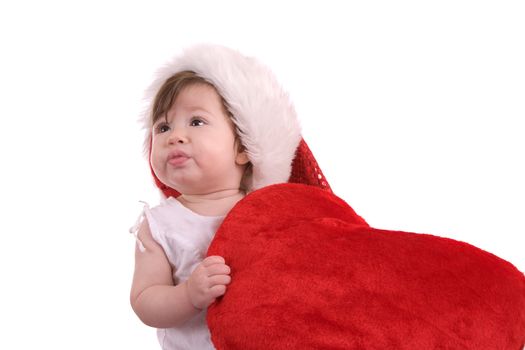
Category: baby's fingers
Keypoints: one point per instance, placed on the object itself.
(218, 269)
(218, 290)
(211, 260)
(219, 280)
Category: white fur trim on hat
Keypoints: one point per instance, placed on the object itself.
(261, 109)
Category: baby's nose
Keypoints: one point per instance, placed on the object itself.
(178, 136)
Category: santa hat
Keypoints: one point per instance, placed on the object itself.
(262, 111)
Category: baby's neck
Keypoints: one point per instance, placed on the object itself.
(211, 204)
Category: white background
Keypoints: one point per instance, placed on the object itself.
(413, 109)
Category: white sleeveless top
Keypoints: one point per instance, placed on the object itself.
(185, 237)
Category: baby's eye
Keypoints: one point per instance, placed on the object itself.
(197, 122)
(162, 128)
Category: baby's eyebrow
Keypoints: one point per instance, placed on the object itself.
(190, 109)
(198, 109)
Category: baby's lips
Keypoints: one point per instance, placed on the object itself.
(177, 158)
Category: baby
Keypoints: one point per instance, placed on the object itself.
(219, 126)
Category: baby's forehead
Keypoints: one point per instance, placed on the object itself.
(198, 94)
(196, 87)
(187, 88)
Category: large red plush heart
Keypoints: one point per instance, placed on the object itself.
(308, 273)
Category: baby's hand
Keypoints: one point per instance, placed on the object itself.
(208, 281)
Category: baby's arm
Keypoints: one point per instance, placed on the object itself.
(154, 297)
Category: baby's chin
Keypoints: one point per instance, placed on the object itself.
(219, 193)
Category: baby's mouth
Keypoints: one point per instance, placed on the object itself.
(177, 158)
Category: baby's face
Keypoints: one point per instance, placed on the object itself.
(193, 149)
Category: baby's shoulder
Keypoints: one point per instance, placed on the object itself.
(165, 214)
(165, 205)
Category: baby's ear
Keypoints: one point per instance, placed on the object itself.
(242, 158)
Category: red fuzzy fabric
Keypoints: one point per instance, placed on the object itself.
(308, 273)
